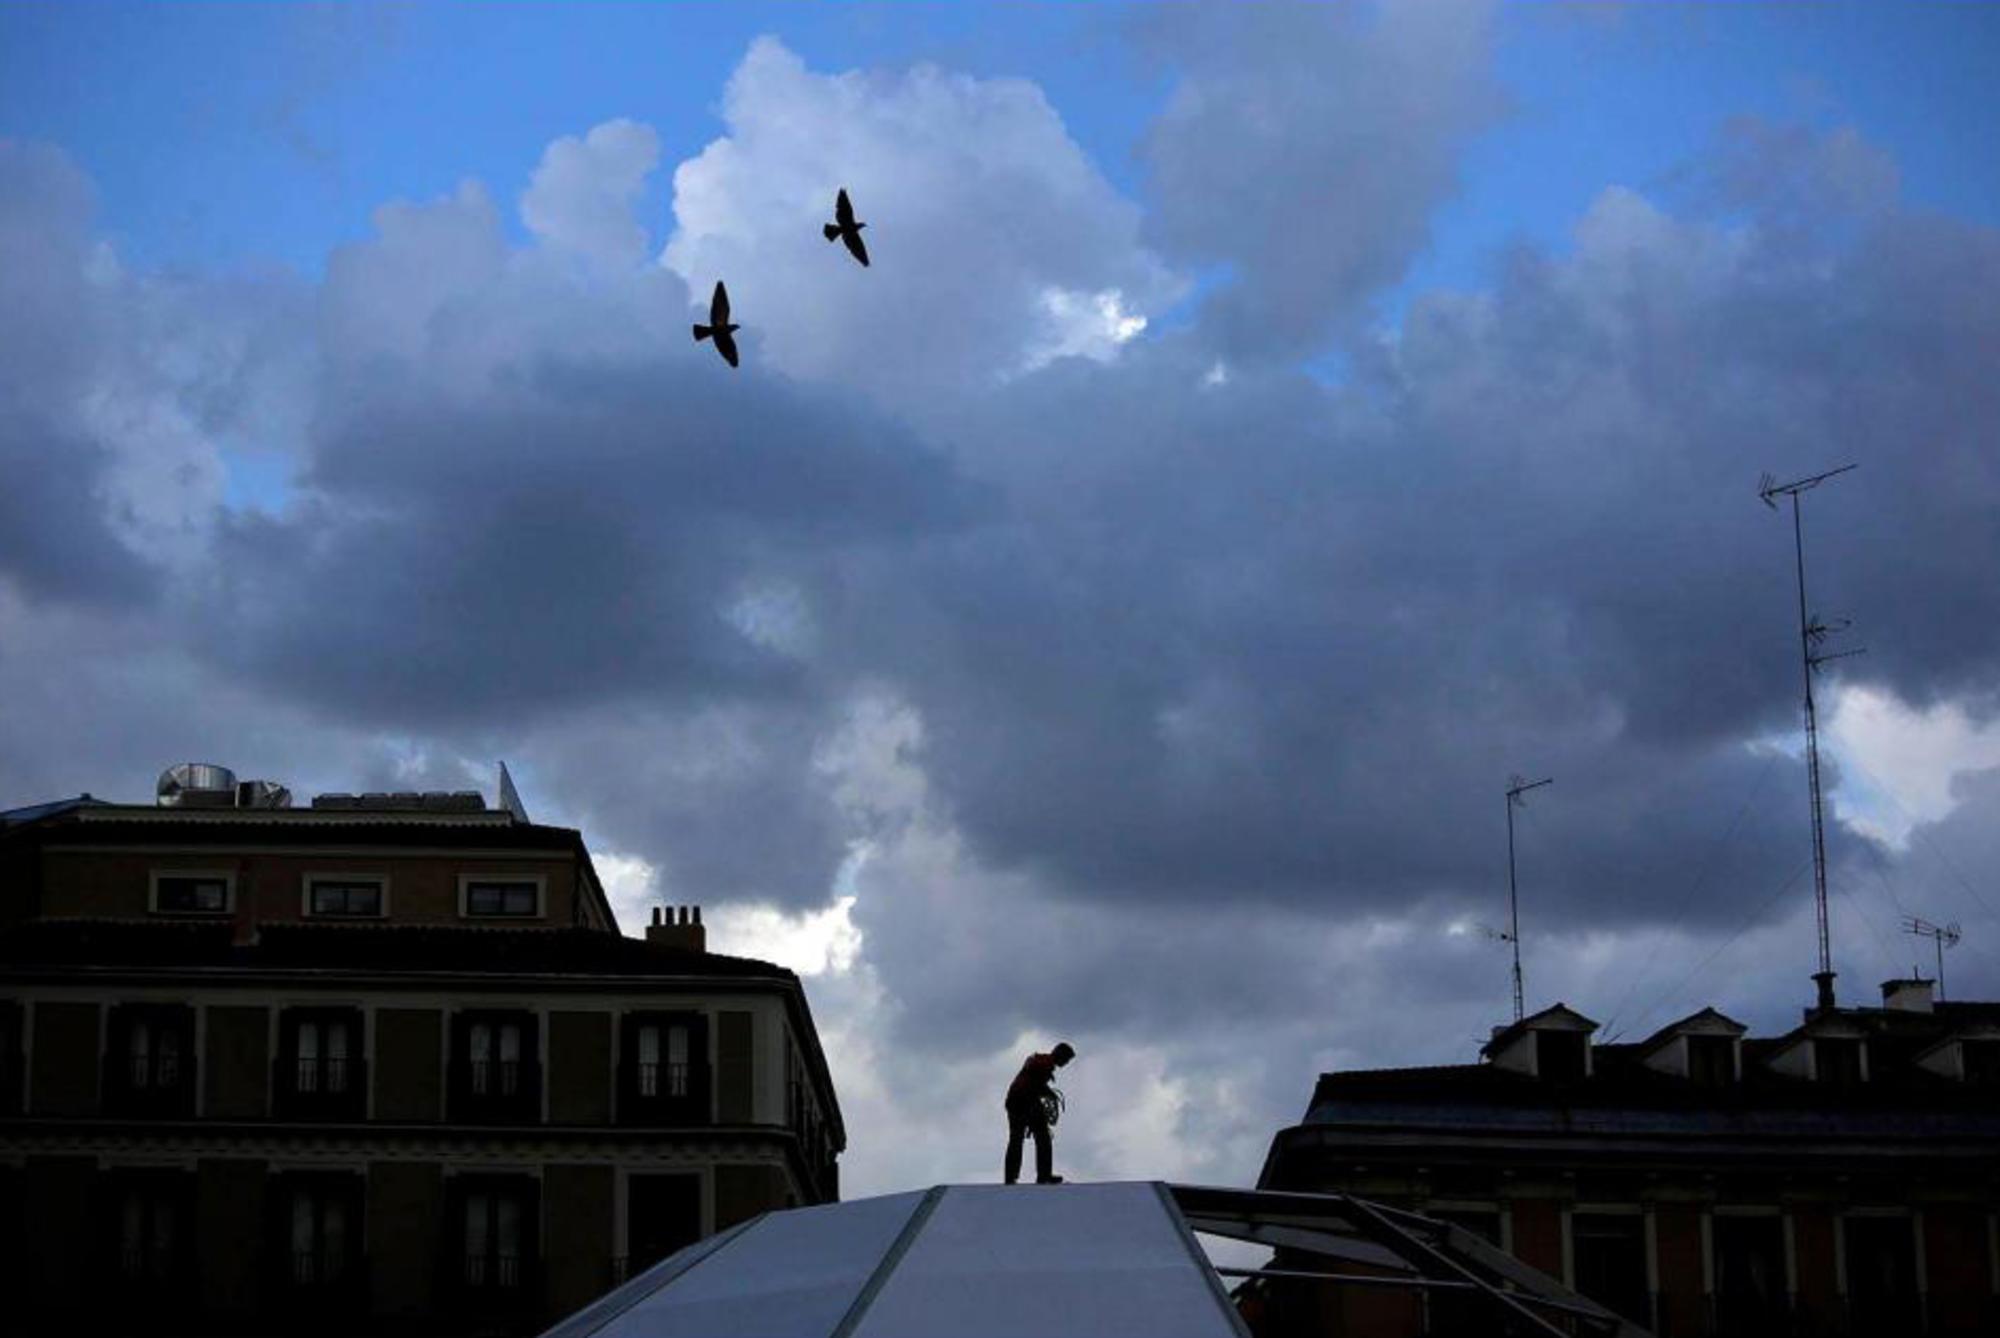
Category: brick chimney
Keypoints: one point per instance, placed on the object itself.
(1907, 996)
(678, 927)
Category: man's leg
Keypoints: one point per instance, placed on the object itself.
(1045, 1152)
(1017, 1128)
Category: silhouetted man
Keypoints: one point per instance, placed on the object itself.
(1026, 1113)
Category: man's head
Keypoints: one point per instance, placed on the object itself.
(1063, 1053)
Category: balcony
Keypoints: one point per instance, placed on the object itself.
(332, 1091)
(159, 1086)
(496, 1091)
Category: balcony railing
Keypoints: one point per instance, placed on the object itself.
(496, 1091)
(333, 1090)
(494, 1271)
(161, 1086)
(495, 1077)
(663, 1081)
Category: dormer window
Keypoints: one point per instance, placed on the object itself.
(1837, 1060)
(1982, 1062)
(1561, 1056)
(1711, 1060)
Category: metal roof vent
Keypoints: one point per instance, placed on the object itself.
(196, 785)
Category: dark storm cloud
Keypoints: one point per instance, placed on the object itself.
(1305, 147)
(578, 537)
(1285, 643)
(55, 541)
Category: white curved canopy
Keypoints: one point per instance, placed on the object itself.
(970, 1260)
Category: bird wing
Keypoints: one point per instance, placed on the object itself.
(854, 245)
(843, 212)
(725, 344)
(718, 306)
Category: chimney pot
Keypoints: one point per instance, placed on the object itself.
(678, 927)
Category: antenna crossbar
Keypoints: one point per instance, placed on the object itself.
(1941, 937)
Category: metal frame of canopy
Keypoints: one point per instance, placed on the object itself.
(1431, 1256)
(1116, 1254)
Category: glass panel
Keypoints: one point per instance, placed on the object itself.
(139, 1048)
(302, 1223)
(163, 1232)
(132, 1229)
(510, 1225)
(336, 1056)
(482, 1058)
(167, 1069)
(333, 1235)
(500, 898)
(649, 1060)
(476, 1209)
(677, 1060)
(1610, 1255)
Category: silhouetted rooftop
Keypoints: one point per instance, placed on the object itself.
(418, 949)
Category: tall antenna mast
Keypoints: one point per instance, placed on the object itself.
(1811, 633)
(1944, 936)
(1516, 787)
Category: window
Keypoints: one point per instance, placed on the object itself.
(149, 1230)
(1610, 1257)
(1881, 1275)
(496, 1058)
(146, 1223)
(663, 1069)
(1982, 1062)
(320, 1228)
(1837, 1060)
(320, 1071)
(496, 1227)
(360, 898)
(495, 1076)
(1749, 1264)
(663, 1059)
(1711, 1061)
(503, 899)
(665, 1215)
(1561, 1055)
(150, 1060)
(191, 894)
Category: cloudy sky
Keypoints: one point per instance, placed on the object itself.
(1113, 616)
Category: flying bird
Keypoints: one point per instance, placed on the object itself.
(718, 328)
(845, 228)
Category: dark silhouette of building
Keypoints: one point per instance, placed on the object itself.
(382, 1064)
(1840, 1179)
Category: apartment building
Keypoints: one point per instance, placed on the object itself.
(1842, 1178)
(381, 1063)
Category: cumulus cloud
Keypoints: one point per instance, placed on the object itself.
(979, 205)
(1012, 668)
(1304, 148)
(582, 195)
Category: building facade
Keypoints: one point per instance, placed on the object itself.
(382, 1064)
(1840, 1179)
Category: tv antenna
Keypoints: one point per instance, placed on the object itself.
(1942, 936)
(1516, 787)
(1813, 633)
